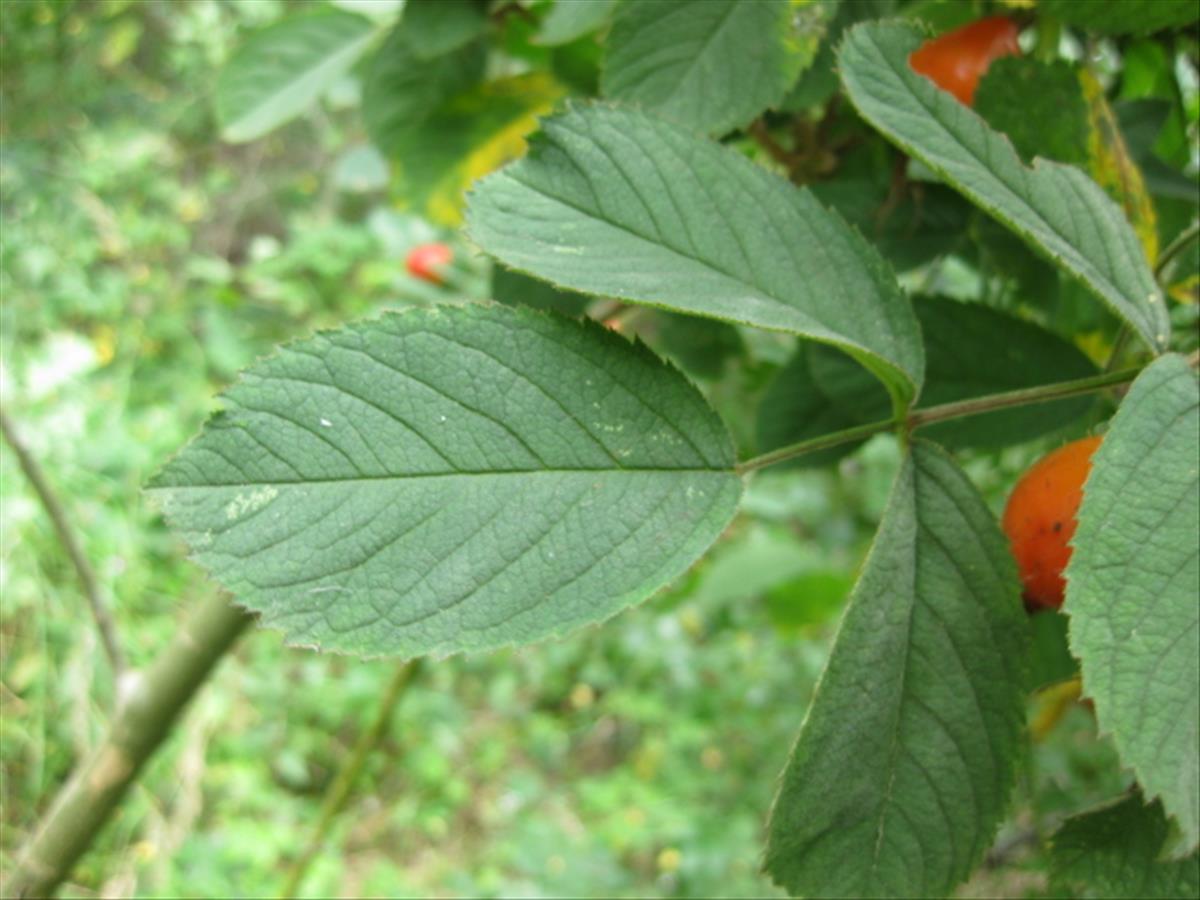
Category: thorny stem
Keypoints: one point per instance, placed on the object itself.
(339, 790)
(66, 536)
(958, 409)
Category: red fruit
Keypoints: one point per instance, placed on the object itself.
(956, 60)
(1040, 520)
(426, 261)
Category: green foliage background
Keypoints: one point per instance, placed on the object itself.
(143, 264)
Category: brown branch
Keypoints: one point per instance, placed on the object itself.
(777, 152)
(70, 543)
(140, 724)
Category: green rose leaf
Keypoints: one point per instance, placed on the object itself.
(617, 203)
(713, 66)
(569, 20)
(905, 760)
(1123, 16)
(1055, 208)
(407, 84)
(1115, 852)
(452, 479)
(1133, 588)
(514, 289)
(283, 69)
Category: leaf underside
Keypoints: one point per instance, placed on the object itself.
(1133, 587)
(1056, 208)
(905, 760)
(614, 202)
(452, 479)
(712, 66)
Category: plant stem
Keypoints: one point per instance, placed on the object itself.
(1174, 248)
(66, 536)
(339, 791)
(763, 137)
(956, 410)
(140, 724)
(833, 439)
(1022, 397)
(1118, 347)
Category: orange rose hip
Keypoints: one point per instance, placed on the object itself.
(956, 60)
(1039, 520)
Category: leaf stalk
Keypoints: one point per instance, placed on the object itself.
(943, 412)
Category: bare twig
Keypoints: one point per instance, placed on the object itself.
(140, 725)
(339, 791)
(70, 543)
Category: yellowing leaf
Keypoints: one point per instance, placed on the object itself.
(475, 133)
(1111, 165)
(1186, 291)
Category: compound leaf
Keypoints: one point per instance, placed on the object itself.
(906, 757)
(618, 203)
(1055, 208)
(971, 350)
(1133, 587)
(452, 479)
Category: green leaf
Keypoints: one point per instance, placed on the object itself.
(820, 82)
(970, 351)
(973, 351)
(1056, 208)
(1039, 105)
(1050, 655)
(469, 136)
(906, 757)
(1133, 587)
(406, 85)
(711, 66)
(794, 409)
(618, 203)
(1123, 16)
(699, 346)
(438, 27)
(514, 289)
(569, 20)
(280, 71)
(452, 479)
(924, 222)
(1114, 852)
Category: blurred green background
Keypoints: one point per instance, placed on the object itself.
(143, 263)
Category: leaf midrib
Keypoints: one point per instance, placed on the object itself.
(757, 292)
(693, 470)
